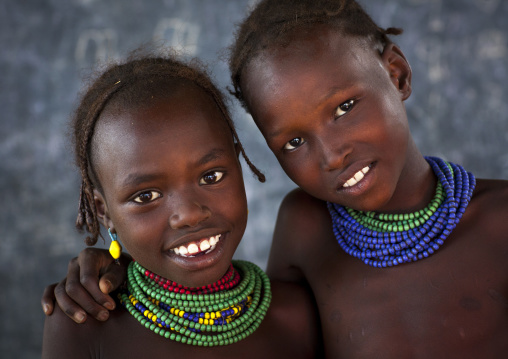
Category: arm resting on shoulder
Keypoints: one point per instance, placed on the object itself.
(90, 278)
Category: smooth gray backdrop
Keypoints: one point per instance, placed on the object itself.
(458, 50)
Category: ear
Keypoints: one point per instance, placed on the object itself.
(102, 210)
(398, 68)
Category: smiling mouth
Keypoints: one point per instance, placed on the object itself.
(192, 249)
(358, 176)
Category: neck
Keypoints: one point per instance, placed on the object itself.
(416, 185)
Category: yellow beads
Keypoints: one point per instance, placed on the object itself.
(115, 249)
(201, 324)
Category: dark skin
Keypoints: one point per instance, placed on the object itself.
(158, 202)
(284, 332)
(329, 105)
(452, 304)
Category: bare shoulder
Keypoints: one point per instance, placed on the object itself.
(294, 313)
(302, 205)
(301, 217)
(490, 199)
(492, 194)
(63, 338)
(486, 216)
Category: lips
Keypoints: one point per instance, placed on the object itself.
(194, 248)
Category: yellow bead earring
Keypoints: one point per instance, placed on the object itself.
(115, 249)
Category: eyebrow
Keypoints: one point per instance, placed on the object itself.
(213, 155)
(333, 91)
(274, 134)
(135, 179)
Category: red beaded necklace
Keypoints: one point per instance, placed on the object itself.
(229, 280)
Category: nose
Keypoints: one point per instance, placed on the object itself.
(333, 152)
(187, 213)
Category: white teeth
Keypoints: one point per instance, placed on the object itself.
(358, 176)
(211, 249)
(193, 248)
(214, 240)
(351, 182)
(204, 245)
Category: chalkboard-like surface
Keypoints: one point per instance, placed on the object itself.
(458, 50)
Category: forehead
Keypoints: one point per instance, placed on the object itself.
(313, 63)
(184, 121)
(308, 45)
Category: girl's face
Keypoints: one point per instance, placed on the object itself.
(331, 110)
(172, 185)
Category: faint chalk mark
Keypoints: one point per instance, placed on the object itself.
(488, 5)
(104, 41)
(181, 35)
(491, 45)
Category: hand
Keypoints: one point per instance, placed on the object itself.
(90, 278)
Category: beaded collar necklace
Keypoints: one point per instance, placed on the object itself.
(385, 240)
(222, 313)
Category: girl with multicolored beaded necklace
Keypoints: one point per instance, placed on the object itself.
(158, 155)
(405, 254)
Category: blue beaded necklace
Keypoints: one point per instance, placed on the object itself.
(382, 240)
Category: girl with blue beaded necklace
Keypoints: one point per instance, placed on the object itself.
(405, 254)
(158, 155)
(402, 251)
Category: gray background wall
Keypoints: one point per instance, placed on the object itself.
(458, 50)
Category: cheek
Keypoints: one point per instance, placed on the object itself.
(137, 232)
(230, 202)
(288, 167)
(238, 204)
(396, 133)
(135, 241)
(302, 170)
(392, 128)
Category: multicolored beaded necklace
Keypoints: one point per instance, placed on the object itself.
(385, 240)
(222, 313)
(229, 280)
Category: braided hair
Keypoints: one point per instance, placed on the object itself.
(271, 22)
(131, 82)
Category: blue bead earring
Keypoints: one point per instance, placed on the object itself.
(115, 249)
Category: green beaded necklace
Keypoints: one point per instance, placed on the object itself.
(221, 318)
(384, 222)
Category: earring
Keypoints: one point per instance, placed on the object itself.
(115, 249)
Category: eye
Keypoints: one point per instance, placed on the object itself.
(211, 177)
(147, 196)
(294, 143)
(344, 108)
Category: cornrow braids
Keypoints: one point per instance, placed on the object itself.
(129, 82)
(272, 21)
